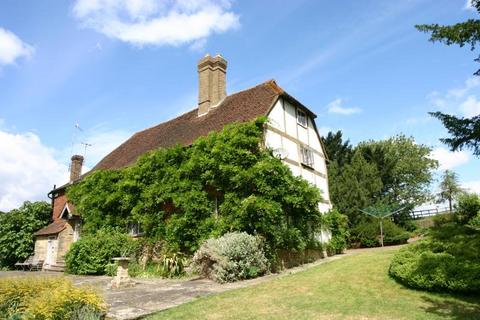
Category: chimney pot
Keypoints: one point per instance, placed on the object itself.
(211, 82)
(76, 167)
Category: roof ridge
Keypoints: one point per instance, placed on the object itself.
(271, 82)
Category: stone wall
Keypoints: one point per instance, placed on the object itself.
(65, 240)
(41, 244)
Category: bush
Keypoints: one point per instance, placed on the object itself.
(367, 233)
(234, 256)
(17, 228)
(337, 223)
(447, 260)
(467, 208)
(93, 253)
(48, 299)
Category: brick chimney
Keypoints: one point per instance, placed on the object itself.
(211, 82)
(76, 167)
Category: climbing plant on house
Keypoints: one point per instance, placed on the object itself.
(224, 182)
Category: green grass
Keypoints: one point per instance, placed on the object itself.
(354, 287)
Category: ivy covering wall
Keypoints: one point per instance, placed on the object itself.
(226, 181)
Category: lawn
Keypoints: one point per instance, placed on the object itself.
(354, 287)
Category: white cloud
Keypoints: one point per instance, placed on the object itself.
(470, 107)
(149, 22)
(468, 5)
(470, 84)
(336, 106)
(448, 159)
(12, 48)
(472, 186)
(461, 101)
(28, 169)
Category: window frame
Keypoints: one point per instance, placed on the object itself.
(307, 156)
(299, 112)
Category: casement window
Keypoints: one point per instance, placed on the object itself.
(135, 229)
(302, 118)
(307, 156)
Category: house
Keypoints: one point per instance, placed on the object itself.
(291, 133)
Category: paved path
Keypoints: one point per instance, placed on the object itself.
(153, 295)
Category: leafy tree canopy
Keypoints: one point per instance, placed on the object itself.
(17, 228)
(396, 172)
(449, 188)
(337, 150)
(464, 132)
(223, 182)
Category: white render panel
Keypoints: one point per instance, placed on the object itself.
(319, 163)
(309, 176)
(290, 119)
(314, 142)
(291, 148)
(324, 207)
(276, 117)
(295, 169)
(303, 135)
(273, 140)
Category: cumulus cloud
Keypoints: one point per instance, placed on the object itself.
(28, 169)
(336, 106)
(151, 22)
(470, 107)
(462, 100)
(448, 159)
(12, 48)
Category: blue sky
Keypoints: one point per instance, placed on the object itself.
(116, 67)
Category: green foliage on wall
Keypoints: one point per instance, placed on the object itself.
(17, 228)
(93, 253)
(224, 182)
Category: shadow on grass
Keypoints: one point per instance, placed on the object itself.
(462, 308)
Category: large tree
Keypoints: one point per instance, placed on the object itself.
(405, 168)
(17, 228)
(337, 149)
(354, 186)
(464, 132)
(396, 172)
(449, 188)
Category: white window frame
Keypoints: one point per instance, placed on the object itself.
(135, 229)
(302, 114)
(307, 156)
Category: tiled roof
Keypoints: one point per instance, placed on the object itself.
(53, 228)
(239, 107)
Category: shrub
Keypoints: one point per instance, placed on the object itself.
(48, 299)
(93, 253)
(234, 256)
(367, 233)
(467, 207)
(447, 260)
(337, 223)
(17, 228)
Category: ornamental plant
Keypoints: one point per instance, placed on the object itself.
(224, 182)
(43, 298)
(234, 256)
(93, 253)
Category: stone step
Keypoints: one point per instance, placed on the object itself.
(54, 267)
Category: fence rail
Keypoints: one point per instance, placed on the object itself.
(419, 214)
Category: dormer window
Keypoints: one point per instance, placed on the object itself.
(302, 118)
(307, 156)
